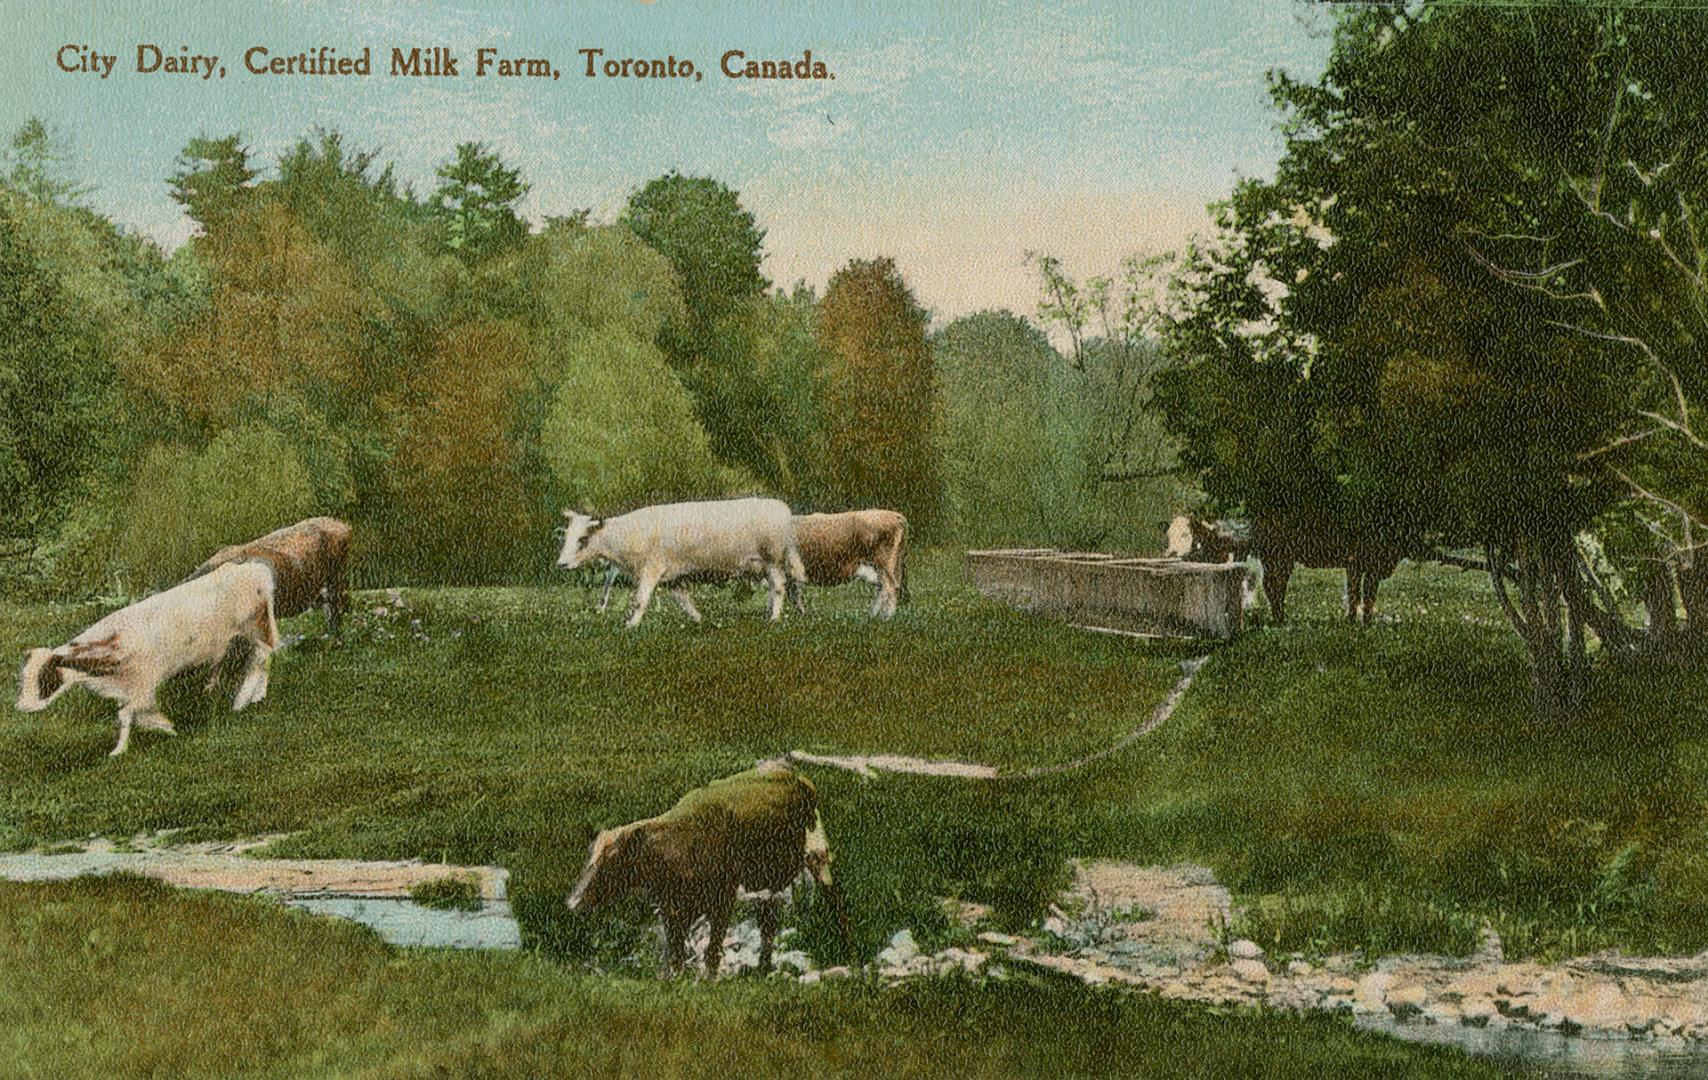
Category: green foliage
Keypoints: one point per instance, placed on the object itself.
(478, 196)
(700, 226)
(212, 176)
(449, 893)
(620, 430)
(183, 505)
(1015, 440)
(328, 998)
(33, 164)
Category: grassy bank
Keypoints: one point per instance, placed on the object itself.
(123, 977)
(1376, 787)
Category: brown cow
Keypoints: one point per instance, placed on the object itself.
(757, 830)
(867, 544)
(309, 561)
(1280, 541)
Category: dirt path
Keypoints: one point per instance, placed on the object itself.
(869, 765)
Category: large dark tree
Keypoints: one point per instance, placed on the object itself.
(1356, 325)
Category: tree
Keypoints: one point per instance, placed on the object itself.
(212, 176)
(1418, 392)
(1017, 453)
(34, 165)
(881, 395)
(478, 197)
(700, 226)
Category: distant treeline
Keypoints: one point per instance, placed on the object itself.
(448, 376)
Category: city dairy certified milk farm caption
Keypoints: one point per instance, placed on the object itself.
(434, 61)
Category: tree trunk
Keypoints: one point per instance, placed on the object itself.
(1549, 615)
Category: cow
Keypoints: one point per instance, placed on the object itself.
(674, 543)
(1192, 538)
(864, 544)
(1280, 541)
(757, 830)
(309, 562)
(127, 655)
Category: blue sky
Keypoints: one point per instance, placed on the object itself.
(955, 136)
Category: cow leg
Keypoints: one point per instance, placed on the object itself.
(125, 718)
(770, 914)
(151, 718)
(1354, 589)
(799, 592)
(686, 600)
(1275, 589)
(779, 582)
(717, 923)
(675, 940)
(610, 582)
(643, 597)
(254, 686)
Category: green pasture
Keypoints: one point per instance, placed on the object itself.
(1380, 787)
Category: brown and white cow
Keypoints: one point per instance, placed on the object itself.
(865, 544)
(128, 654)
(757, 831)
(310, 566)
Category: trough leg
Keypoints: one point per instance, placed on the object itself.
(1354, 589)
(770, 914)
(680, 592)
(643, 597)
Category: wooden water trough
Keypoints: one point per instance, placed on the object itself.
(1110, 592)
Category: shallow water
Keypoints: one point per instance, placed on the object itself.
(1560, 1055)
(404, 922)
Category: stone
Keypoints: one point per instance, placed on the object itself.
(991, 937)
(1406, 1000)
(1477, 1012)
(1372, 991)
(1245, 950)
(811, 977)
(1299, 968)
(1250, 971)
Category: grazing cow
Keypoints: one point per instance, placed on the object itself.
(1280, 541)
(1196, 540)
(128, 654)
(675, 543)
(757, 830)
(864, 544)
(309, 563)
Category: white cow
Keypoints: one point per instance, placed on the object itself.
(677, 542)
(128, 654)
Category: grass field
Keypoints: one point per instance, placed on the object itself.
(1380, 787)
(122, 977)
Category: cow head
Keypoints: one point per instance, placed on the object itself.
(40, 681)
(616, 865)
(1179, 537)
(578, 534)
